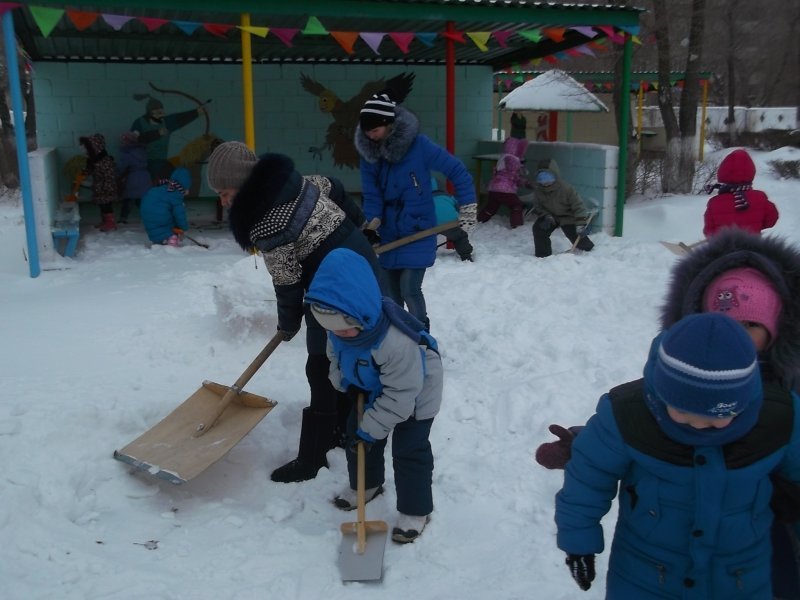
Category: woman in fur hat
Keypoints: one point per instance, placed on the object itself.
(396, 165)
(756, 281)
(294, 221)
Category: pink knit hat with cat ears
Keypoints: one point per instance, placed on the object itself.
(745, 294)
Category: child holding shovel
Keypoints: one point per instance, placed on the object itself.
(381, 351)
(396, 165)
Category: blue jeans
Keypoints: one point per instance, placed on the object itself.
(404, 286)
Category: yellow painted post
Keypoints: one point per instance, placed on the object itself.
(247, 84)
(639, 115)
(703, 121)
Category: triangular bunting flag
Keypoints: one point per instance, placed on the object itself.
(456, 36)
(426, 38)
(45, 18)
(533, 35)
(6, 6)
(187, 27)
(585, 50)
(502, 37)
(551, 59)
(645, 85)
(572, 52)
(314, 27)
(403, 40)
(346, 39)
(520, 78)
(116, 22)
(508, 83)
(220, 29)
(82, 19)
(479, 38)
(555, 33)
(285, 34)
(612, 35)
(152, 23)
(632, 29)
(373, 39)
(635, 39)
(586, 31)
(259, 31)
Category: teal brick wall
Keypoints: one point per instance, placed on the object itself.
(75, 99)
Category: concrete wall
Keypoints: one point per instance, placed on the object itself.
(75, 99)
(590, 168)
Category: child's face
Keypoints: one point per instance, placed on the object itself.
(697, 421)
(347, 333)
(226, 197)
(758, 333)
(378, 133)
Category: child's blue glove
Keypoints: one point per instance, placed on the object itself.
(362, 437)
(581, 567)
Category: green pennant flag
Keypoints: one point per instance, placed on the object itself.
(46, 18)
(314, 27)
(534, 35)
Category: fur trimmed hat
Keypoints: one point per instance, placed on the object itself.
(706, 364)
(229, 166)
(745, 294)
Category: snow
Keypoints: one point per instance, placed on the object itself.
(96, 354)
(553, 90)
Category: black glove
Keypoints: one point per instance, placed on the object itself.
(286, 334)
(353, 391)
(365, 438)
(372, 236)
(546, 222)
(581, 567)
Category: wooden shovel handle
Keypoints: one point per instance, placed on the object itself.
(234, 390)
(415, 236)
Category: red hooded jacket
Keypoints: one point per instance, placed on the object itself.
(737, 170)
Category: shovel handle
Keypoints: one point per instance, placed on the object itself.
(236, 388)
(415, 236)
(361, 486)
(191, 239)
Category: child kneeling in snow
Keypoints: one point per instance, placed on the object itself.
(162, 211)
(378, 349)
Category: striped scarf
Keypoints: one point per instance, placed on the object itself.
(172, 185)
(738, 190)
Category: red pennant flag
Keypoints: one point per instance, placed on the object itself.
(285, 34)
(551, 59)
(81, 19)
(555, 33)
(403, 39)
(502, 37)
(217, 29)
(151, 23)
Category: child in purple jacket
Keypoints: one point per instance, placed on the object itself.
(509, 175)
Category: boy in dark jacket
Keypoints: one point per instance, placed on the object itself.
(691, 448)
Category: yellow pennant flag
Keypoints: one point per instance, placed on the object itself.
(479, 38)
(259, 31)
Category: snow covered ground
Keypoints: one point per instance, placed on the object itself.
(94, 355)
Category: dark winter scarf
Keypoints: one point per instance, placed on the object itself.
(172, 185)
(737, 189)
(368, 338)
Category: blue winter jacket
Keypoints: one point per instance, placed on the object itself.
(396, 187)
(132, 169)
(403, 378)
(693, 522)
(162, 207)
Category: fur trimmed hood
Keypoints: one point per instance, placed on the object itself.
(404, 131)
(272, 182)
(733, 248)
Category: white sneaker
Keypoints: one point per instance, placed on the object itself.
(347, 500)
(409, 528)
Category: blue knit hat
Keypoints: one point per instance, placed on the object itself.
(706, 364)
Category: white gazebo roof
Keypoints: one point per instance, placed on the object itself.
(553, 90)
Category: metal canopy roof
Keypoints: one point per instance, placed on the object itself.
(133, 42)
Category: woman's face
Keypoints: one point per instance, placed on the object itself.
(377, 134)
(226, 197)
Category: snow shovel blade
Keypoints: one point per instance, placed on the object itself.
(171, 450)
(367, 565)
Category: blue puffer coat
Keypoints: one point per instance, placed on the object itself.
(162, 206)
(693, 522)
(396, 184)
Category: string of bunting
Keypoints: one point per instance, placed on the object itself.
(46, 19)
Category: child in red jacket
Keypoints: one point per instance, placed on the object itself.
(737, 204)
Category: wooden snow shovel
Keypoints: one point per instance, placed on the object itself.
(201, 430)
(363, 542)
(580, 237)
(415, 236)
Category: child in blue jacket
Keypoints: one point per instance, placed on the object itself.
(379, 350)
(692, 449)
(163, 213)
(446, 211)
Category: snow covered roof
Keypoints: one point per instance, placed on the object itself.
(553, 90)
